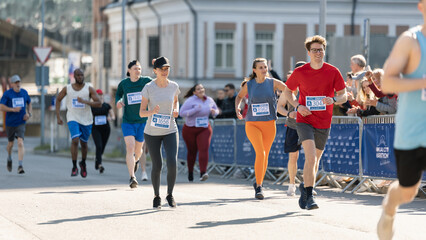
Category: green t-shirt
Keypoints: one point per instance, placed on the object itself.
(130, 93)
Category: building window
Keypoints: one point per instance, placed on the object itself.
(153, 49)
(264, 45)
(224, 50)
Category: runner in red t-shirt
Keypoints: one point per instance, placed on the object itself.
(317, 82)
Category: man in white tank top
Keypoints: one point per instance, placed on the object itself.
(79, 117)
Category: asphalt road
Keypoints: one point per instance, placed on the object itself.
(46, 203)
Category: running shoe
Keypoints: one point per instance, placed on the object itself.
(385, 227)
(21, 170)
(136, 166)
(311, 204)
(303, 196)
(101, 169)
(74, 172)
(133, 183)
(291, 190)
(171, 200)
(83, 171)
(144, 176)
(157, 202)
(97, 166)
(204, 177)
(190, 176)
(258, 192)
(9, 165)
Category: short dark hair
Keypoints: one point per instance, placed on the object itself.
(230, 85)
(131, 64)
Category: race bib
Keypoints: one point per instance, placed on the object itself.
(260, 109)
(202, 122)
(100, 120)
(314, 103)
(161, 121)
(18, 102)
(76, 104)
(134, 98)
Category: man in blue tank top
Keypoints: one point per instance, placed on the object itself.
(405, 73)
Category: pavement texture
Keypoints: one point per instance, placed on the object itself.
(47, 203)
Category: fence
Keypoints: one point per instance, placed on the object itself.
(361, 149)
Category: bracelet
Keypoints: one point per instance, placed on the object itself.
(297, 107)
(288, 114)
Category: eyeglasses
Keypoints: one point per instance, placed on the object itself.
(317, 50)
(226, 90)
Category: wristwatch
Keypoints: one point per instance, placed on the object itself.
(29, 114)
(334, 99)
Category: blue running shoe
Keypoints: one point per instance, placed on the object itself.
(310, 203)
(303, 196)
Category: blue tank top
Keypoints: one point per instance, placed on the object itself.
(411, 115)
(262, 101)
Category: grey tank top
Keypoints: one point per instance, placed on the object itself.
(262, 101)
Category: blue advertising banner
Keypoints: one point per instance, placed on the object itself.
(341, 154)
(245, 151)
(378, 159)
(222, 144)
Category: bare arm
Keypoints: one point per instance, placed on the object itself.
(111, 114)
(282, 101)
(96, 103)
(5, 108)
(241, 94)
(176, 107)
(279, 85)
(400, 61)
(59, 98)
(146, 113)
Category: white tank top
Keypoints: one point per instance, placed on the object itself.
(79, 112)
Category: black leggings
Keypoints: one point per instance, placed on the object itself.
(170, 142)
(100, 136)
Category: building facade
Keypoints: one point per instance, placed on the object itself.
(215, 41)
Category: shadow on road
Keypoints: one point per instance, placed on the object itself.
(246, 220)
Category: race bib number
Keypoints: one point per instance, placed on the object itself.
(134, 98)
(18, 102)
(202, 122)
(314, 103)
(260, 109)
(76, 104)
(161, 121)
(100, 120)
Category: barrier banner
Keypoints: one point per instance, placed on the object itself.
(341, 154)
(245, 151)
(277, 157)
(378, 159)
(222, 144)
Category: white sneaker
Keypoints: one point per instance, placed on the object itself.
(204, 177)
(291, 190)
(385, 227)
(144, 176)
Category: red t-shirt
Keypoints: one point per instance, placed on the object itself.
(314, 84)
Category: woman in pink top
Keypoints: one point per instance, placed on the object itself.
(197, 132)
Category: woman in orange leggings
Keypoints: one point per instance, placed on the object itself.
(261, 116)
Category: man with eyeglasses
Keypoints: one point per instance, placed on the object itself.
(317, 82)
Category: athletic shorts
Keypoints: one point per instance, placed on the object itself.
(291, 143)
(78, 130)
(307, 131)
(133, 129)
(410, 165)
(15, 132)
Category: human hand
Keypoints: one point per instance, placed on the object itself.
(156, 109)
(16, 109)
(120, 104)
(60, 122)
(175, 113)
(327, 100)
(238, 112)
(81, 100)
(304, 111)
(371, 102)
(350, 96)
(26, 116)
(292, 114)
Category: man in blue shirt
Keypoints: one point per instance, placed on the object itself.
(14, 102)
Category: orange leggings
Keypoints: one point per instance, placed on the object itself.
(261, 136)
